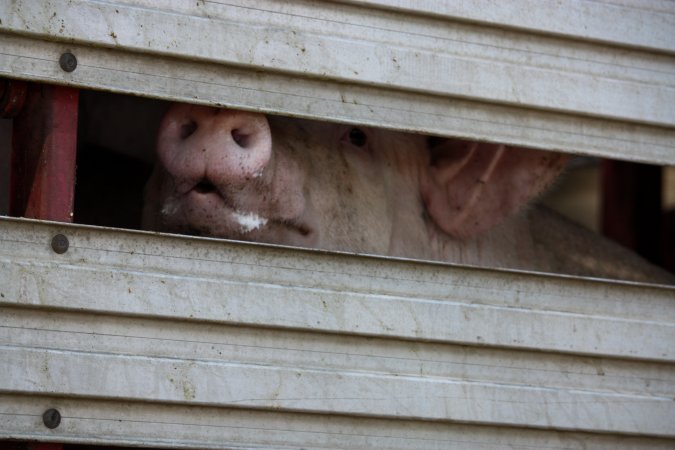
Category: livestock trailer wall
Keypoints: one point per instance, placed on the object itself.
(153, 340)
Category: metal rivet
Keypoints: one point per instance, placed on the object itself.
(51, 418)
(60, 244)
(68, 62)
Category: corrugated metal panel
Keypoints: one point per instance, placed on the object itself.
(140, 338)
(488, 74)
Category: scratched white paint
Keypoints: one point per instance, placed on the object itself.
(600, 92)
(249, 336)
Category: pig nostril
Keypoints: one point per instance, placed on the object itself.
(205, 187)
(186, 130)
(240, 138)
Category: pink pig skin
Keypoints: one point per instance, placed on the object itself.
(246, 176)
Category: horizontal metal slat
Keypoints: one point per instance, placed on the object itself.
(185, 340)
(232, 384)
(339, 44)
(113, 357)
(145, 424)
(618, 22)
(302, 59)
(332, 293)
(169, 322)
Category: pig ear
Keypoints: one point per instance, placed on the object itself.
(474, 186)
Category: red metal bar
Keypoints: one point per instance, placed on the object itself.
(42, 179)
(43, 156)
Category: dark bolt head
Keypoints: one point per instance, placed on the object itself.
(60, 244)
(51, 418)
(68, 62)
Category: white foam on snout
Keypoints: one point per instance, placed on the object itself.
(249, 221)
(170, 207)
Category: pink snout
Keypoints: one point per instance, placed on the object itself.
(220, 147)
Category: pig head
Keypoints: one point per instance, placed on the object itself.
(243, 175)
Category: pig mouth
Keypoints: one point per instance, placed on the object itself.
(243, 223)
(205, 187)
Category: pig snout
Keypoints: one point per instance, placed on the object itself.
(207, 149)
(217, 175)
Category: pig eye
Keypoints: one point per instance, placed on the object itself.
(357, 137)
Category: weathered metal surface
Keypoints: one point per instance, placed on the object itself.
(179, 426)
(621, 22)
(43, 154)
(610, 319)
(273, 346)
(425, 72)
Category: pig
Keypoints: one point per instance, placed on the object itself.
(247, 176)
